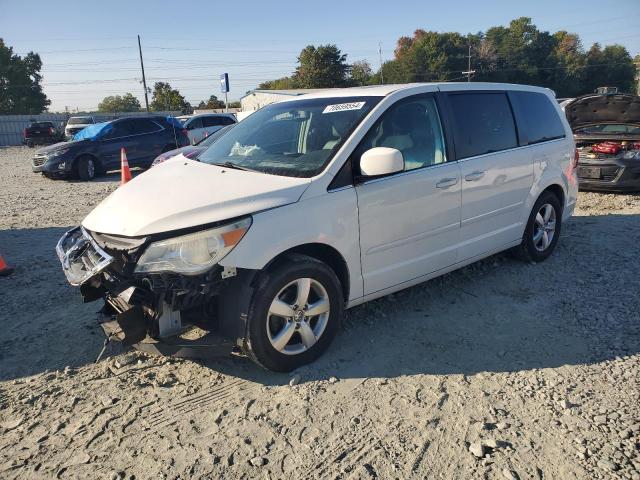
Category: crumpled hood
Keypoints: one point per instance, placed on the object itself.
(598, 108)
(181, 193)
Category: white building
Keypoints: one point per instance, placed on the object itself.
(256, 99)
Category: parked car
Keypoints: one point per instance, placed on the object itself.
(76, 124)
(606, 129)
(96, 149)
(41, 133)
(316, 204)
(201, 125)
(192, 151)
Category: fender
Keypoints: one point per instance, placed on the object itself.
(330, 219)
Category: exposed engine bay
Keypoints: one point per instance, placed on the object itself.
(608, 149)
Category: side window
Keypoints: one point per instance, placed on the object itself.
(537, 115)
(141, 125)
(412, 126)
(195, 123)
(483, 123)
(212, 121)
(227, 121)
(119, 129)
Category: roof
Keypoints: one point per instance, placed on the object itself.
(384, 90)
(292, 92)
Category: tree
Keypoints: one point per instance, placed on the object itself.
(20, 88)
(321, 67)
(166, 98)
(611, 66)
(318, 67)
(284, 83)
(517, 53)
(360, 73)
(211, 104)
(117, 103)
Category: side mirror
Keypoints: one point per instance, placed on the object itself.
(381, 161)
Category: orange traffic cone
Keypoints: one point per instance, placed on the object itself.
(5, 269)
(125, 173)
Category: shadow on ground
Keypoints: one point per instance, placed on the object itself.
(496, 315)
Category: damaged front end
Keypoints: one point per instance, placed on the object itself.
(194, 314)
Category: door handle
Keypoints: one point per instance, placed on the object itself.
(473, 176)
(446, 183)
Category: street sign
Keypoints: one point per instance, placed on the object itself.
(224, 82)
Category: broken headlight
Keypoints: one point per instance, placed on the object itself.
(194, 253)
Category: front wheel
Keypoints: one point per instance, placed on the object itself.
(87, 168)
(294, 314)
(543, 229)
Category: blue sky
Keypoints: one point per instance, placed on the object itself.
(89, 49)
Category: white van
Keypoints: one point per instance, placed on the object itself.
(320, 203)
(204, 124)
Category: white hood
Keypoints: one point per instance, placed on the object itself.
(181, 193)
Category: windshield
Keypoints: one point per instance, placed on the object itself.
(208, 140)
(610, 129)
(295, 139)
(80, 120)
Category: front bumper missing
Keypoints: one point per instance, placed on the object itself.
(129, 328)
(159, 314)
(81, 257)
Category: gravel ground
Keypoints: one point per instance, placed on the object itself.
(501, 370)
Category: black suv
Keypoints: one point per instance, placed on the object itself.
(144, 138)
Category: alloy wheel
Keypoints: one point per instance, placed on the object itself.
(544, 227)
(298, 315)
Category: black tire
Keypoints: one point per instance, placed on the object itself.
(258, 345)
(87, 167)
(530, 249)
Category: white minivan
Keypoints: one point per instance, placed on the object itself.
(320, 203)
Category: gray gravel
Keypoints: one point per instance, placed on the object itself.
(500, 370)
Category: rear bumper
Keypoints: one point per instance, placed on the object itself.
(616, 175)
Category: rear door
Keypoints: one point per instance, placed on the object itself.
(147, 141)
(409, 221)
(496, 175)
(120, 136)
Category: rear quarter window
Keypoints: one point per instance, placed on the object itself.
(483, 123)
(537, 117)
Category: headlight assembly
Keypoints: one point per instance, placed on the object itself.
(193, 253)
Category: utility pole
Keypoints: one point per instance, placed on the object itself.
(469, 72)
(144, 81)
(380, 55)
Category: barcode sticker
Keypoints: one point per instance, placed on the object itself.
(343, 107)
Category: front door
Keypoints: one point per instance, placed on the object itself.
(409, 221)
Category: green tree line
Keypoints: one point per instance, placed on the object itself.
(518, 53)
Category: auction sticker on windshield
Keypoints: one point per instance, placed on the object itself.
(343, 107)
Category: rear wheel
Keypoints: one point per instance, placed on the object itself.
(294, 314)
(543, 229)
(87, 167)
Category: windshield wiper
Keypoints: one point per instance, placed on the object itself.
(235, 166)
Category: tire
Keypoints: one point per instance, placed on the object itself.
(87, 167)
(540, 239)
(280, 343)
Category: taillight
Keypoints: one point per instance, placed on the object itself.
(26, 133)
(51, 130)
(576, 157)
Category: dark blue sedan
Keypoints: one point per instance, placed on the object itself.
(96, 149)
